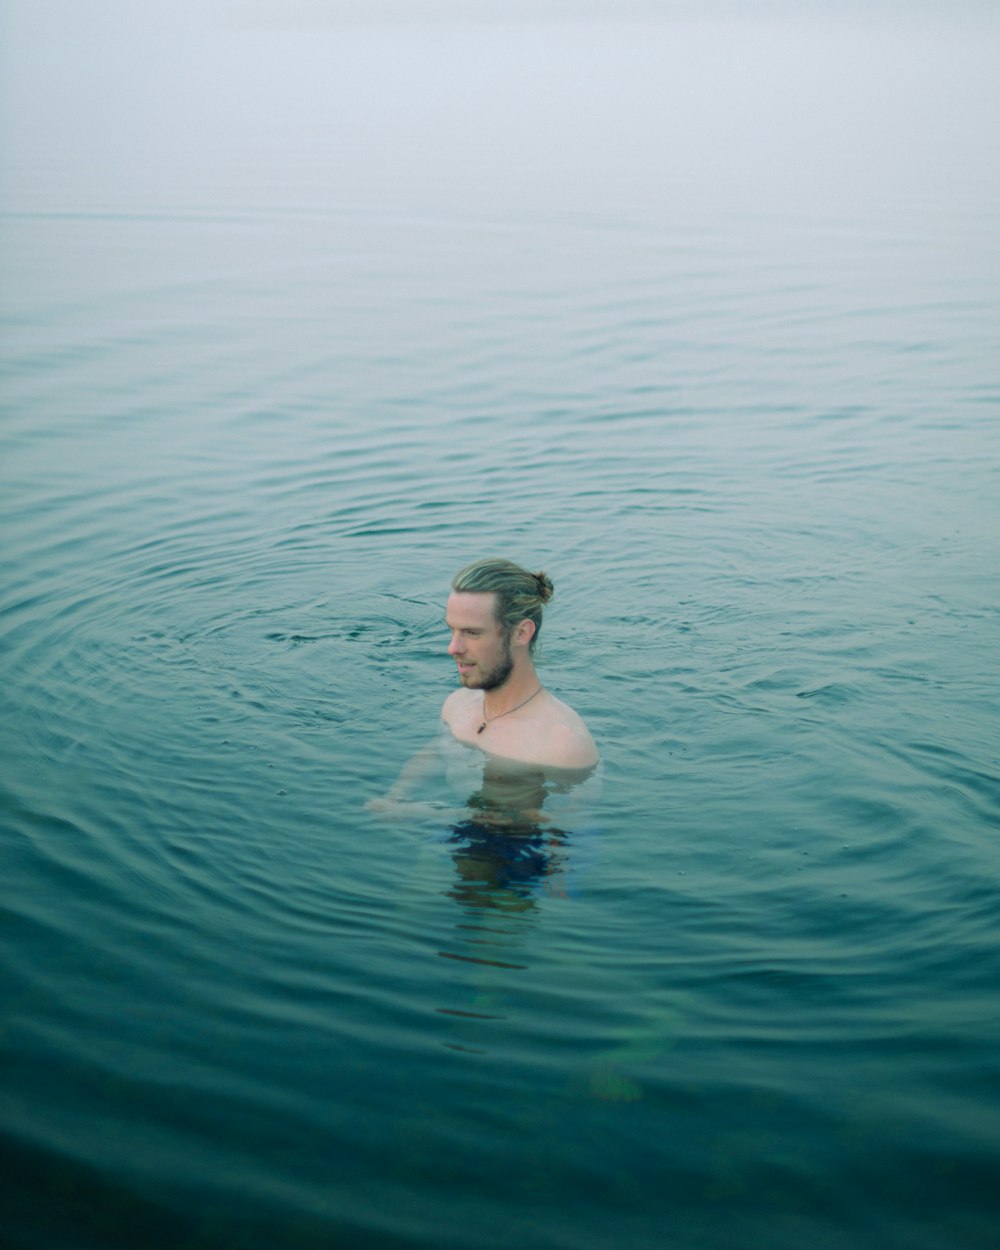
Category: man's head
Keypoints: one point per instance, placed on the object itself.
(494, 614)
(519, 595)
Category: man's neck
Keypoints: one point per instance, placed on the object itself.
(519, 686)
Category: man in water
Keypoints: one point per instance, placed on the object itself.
(494, 613)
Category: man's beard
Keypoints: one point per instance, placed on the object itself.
(498, 676)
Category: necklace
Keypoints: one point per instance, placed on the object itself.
(487, 719)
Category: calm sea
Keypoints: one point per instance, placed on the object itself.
(701, 315)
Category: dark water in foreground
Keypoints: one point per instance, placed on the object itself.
(701, 318)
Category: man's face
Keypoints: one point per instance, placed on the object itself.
(479, 645)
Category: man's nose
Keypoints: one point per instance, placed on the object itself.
(455, 646)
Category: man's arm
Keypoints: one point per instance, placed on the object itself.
(424, 764)
(417, 768)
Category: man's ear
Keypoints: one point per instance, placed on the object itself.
(524, 631)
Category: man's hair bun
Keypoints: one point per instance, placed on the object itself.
(545, 587)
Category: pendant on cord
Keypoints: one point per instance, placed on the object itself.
(487, 719)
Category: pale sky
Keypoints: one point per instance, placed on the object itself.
(21, 18)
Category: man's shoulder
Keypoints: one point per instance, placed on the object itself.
(568, 739)
(571, 747)
(564, 715)
(457, 702)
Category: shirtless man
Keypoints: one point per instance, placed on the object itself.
(495, 614)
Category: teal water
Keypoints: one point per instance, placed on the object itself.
(301, 315)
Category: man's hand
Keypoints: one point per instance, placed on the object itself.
(392, 808)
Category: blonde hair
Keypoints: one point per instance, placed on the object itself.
(520, 595)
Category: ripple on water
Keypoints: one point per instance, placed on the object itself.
(244, 450)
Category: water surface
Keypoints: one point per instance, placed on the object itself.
(698, 315)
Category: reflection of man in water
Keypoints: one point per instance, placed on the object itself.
(495, 614)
